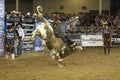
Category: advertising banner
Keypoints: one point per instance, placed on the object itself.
(1, 25)
(91, 40)
(116, 40)
(38, 42)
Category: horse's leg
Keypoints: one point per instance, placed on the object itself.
(61, 56)
(52, 54)
(60, 60)
(58, 56)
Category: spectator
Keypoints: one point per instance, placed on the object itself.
(106, 39)
(10, 37)
(104, 22)
(21, 37)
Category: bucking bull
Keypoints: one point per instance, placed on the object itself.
(57, 47)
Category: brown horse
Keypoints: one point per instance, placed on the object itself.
(56, 45)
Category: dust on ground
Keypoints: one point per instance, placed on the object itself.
(89, 64)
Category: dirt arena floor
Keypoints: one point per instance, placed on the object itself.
(89, 64)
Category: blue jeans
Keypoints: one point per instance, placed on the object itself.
(19, 48)
(106, 46)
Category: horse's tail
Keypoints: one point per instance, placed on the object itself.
(39, 10)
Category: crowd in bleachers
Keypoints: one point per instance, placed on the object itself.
(84, 23)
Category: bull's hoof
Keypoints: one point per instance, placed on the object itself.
(60, 65)
(74, 44)
(52, 56)
(73, 48)
(79, 47)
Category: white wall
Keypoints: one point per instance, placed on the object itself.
(70, 5)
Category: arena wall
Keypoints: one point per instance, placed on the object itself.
(72, 6)
(24, 5)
